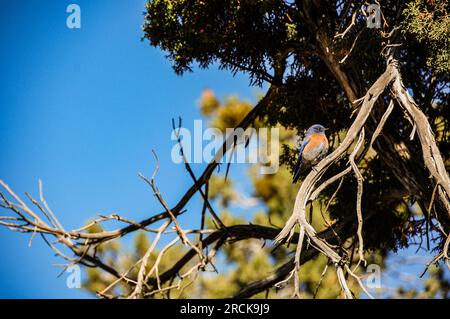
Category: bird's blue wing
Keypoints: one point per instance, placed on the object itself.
(298, 165)
(305, 141)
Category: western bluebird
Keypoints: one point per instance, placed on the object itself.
(314, 148)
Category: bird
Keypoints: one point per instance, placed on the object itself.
(314, 147)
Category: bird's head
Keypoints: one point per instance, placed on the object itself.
(316, 128)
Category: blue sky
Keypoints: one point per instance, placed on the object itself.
(82, 109)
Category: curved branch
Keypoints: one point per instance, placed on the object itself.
(345, 228)
(431, 154)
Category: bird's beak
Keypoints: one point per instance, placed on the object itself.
(326, 129)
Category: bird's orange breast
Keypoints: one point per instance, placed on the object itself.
(316, 147)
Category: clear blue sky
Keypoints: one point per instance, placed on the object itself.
(82, 109)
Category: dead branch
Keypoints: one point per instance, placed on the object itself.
(345, 228)
(430, 152)
(359, 179)
(350, 26)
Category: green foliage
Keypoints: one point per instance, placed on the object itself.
(428, 22)
(232, 32)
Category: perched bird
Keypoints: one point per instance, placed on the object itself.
(314, 148)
